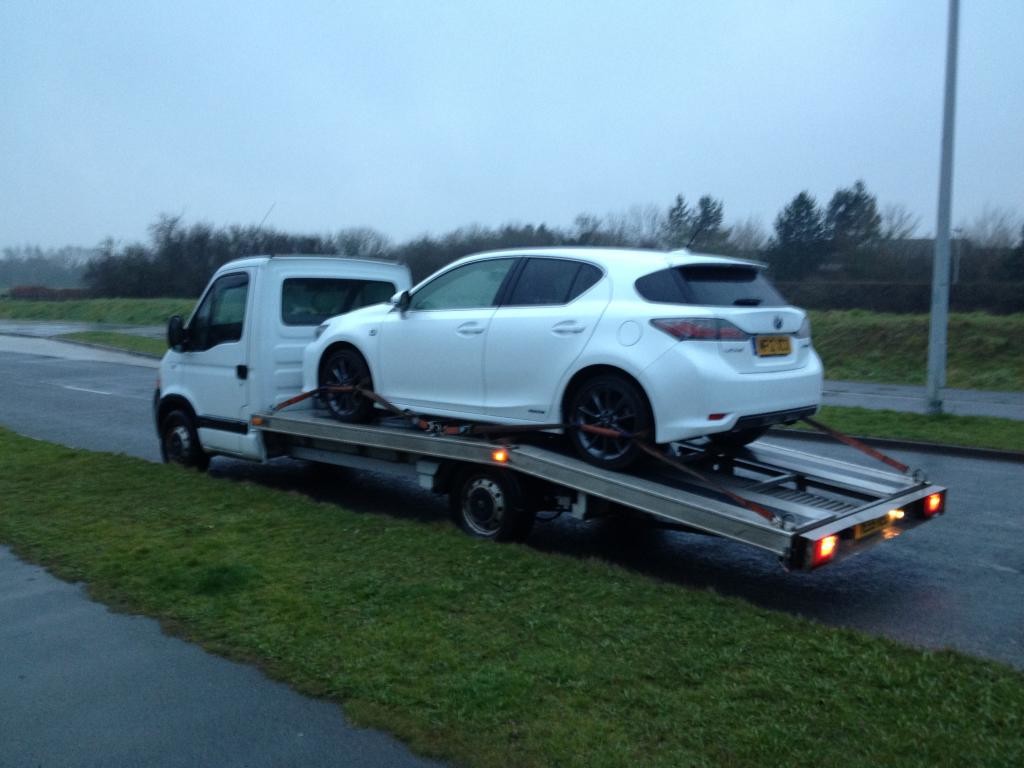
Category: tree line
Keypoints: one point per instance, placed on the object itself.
(849, 238)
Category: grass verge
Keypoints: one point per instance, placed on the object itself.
(985, 351)
(121, 311)
(494, 655)
(944, 429)
(124, 341)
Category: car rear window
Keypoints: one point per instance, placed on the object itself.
(711, 285)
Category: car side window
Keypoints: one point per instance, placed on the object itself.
(552, 282)
(221, 315)
(311, 300)
(466, 287)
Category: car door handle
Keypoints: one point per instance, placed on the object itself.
(469, 329)
(567, 328)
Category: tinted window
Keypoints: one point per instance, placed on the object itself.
(468, 286)
(221, 315)
(710, 285)
(311, 300)
(552, 281)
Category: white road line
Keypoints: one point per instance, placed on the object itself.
(86, 389)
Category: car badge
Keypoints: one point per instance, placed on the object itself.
(778, 322)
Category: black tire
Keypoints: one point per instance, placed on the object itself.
(612, 401)
(490, 504)
(734, 441)
(345, 367)
(179, 442)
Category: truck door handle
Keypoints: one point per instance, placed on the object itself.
(568, 327)
(469, 329)
(242, 371)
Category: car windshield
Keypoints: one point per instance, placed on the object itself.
(714, 285)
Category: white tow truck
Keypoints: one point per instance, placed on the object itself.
(229, 381)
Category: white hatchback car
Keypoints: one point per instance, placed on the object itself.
(671, 346)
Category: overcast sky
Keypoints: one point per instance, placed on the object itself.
(415, 117)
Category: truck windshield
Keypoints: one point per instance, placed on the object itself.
(311, 300)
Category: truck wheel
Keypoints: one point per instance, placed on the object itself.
(489, 504)
(609, 401)
(179, 442)
(345, 367)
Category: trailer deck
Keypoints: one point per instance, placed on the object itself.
(818, 503)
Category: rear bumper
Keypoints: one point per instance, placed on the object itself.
(693, 392)
(775, 417)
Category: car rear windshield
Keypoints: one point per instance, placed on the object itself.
(711, 285)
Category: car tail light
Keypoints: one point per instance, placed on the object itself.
(700, 329)
(805, 329)
(824, 550)
(933, 504)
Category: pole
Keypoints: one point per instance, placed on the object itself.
(940, 270)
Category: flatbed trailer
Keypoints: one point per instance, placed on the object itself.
(806, 509)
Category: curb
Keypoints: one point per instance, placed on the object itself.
(910, 445)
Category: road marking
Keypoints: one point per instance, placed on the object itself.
(1003, 568)
(86, 389)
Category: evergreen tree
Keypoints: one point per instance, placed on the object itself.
(852, 220)
(798, 245)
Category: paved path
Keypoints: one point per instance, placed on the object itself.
(81, 686)
(50, 328)
(896, 397)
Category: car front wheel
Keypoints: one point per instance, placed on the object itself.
(608, 402)
(343, 368)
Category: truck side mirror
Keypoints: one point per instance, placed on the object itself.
(401, 300)
(176, 334)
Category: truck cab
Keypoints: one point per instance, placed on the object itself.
(240, 350)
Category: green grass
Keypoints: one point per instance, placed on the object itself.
(945, 429)
(121, 311)
(126, 341)
(494, 655)
(985, 351)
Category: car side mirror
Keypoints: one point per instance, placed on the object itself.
(176, 333)
(401, 300)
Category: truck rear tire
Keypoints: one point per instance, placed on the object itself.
(489, 503)
(179, 442)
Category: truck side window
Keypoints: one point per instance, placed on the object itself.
(221, 315)
(311, 300)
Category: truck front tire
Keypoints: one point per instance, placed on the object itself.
(179, 442)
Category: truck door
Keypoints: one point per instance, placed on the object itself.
(215, 363)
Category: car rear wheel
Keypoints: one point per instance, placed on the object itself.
(608, 401)
(345, 367)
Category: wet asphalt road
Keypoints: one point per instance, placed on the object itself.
(957, 582)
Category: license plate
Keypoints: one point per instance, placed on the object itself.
(862, 530)
(773, 346)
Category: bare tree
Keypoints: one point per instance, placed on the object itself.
(747, 236)
(898, 223)
(994, 227)
(363, 243)
(640, 226)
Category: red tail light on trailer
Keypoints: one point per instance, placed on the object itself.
(824, 550)
(933, 504)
